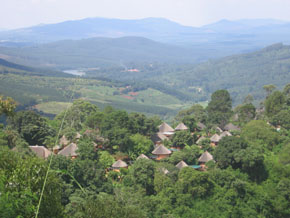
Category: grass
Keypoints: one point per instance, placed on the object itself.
(53, 107)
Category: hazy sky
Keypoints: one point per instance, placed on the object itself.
(21, 13)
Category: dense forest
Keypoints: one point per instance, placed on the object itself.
(93, 162)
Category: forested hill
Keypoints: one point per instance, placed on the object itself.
(241, 74)
(100, 51)
(9, 67)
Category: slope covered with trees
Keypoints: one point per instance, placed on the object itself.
(249, 176)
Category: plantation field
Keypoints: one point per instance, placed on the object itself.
(52, 94)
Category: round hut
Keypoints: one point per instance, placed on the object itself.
(161, 152)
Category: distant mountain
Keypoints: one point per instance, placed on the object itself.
(95, 52)
(212, 41)
(154, 28)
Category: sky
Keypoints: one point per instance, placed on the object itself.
(23, 13)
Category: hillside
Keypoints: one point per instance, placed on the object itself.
(97, 52)
(50, 92)
(241, 74)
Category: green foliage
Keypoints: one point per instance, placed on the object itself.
(23, 179)
(259, 133)
(182, 138)
(140, 145)
(77, 114)
(190, 122)
(246, 112)
(188, 154)
(274, 103)
(32, 127)
(235, 152)
(142, 174)
(7, 106)
(198, 112)
(220, 107)
(105, 159)
(194, 183)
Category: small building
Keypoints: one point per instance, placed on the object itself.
(163, 170)
(142, 156)
(40, 151)
(166, 130)
(231, 127)
(78, 135)
(161, 152)
(158, 138)
(181, 127)
(218, 129)
(181, 164)
(63, 141)
(118, 165)
(69, 151)
(225, 133)
(204, 158)
(215, 139)
(56, 149)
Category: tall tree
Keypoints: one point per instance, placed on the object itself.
(220, 107)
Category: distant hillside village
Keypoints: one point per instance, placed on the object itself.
(165, 133)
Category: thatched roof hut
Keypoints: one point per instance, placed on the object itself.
(158, 137)
(181, 127)
(69, 151)
(142, 156)
(63, 141)
(164, 127)
(205, 157)
(231, 127)
(225, 133)
(40, 151)
(181, 164)
(119, 164)
(161, 150)
(215, 138)
(218, 129)
(78, 135)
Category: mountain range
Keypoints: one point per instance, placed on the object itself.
(222, 38)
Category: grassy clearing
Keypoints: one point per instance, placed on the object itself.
(52, 107)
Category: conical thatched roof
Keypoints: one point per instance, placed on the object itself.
(163, 170)
(158, 137)
(225, 133)
(200, 139)
(119, 164)
(63, 141)
(69, 151)
(57, 147)
(164, 127)
(78, 135)
(205, 157)
(219, 129)
(161, 149)
(181, 164)
(201, 126)
(142, 156)
(231, 127)
(181, 126)
(215, 138)
(40, 151)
